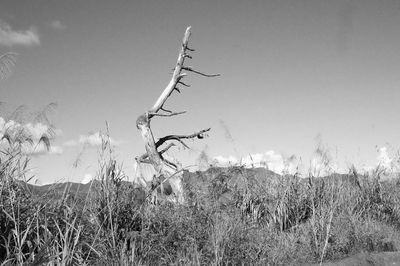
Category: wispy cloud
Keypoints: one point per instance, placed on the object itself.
(225, 160)
(87, 178)
(273, 161)
(90, 140)
(387, 161)
(10, 37)
(41, 149)
(96, 139)
(70, 143)
(384, 159)
(34, 131)
(58, 25)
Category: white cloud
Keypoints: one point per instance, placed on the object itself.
(96, 139)
(56, 24)
(387, 163)
(56, 150)
(270, 159)
(41, 149)
(10, 37)
(225, 161)
(34, 132)
(384, 159)
(58, 132)
(70, 143)
(87, 178)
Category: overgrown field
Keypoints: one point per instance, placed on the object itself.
(231, 216)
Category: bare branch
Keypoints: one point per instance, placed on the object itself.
(162, 166)
(143, 159)
(183, 143)
(176, 76)
(170, 163)
(179, 138)
(169, 114)
(166, 148)
(181, 76)
(200, 73)
(184, 84)
(165, 110)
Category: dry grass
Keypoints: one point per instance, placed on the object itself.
(231, 216)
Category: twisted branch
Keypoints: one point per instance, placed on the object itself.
(179, 138)
(152, 156)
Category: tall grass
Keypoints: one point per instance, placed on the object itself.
(230, 216)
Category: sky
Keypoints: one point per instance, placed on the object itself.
(295, 75)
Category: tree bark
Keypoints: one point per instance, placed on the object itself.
(169, 175)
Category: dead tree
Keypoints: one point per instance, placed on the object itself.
(169, 175)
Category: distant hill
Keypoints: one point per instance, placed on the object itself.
(192, 177)
(235, 176)
(59, 188)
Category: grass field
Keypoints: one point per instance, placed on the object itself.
(231, 216)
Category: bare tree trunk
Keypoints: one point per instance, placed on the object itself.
(169, 175)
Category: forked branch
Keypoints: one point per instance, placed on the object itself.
(165, 168)
(200, 73)
(168, 114)
(176, 76)
(199, 135)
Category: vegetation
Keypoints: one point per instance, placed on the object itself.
(7, 64)
(231, 216)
